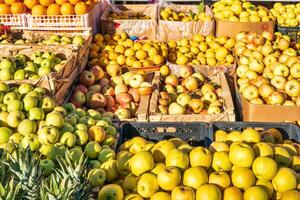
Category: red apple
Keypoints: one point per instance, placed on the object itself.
(108, 90)
(76, 104)
(110, 101)
(95, 88)
(123, 98)
(135, 94)
(87, 78)
(97, 101)
(81, 88)
(78, 97)
(104, 82)
(98, 72)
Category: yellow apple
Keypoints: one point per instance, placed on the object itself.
(169, 178)
(234, 136)
(263, 149)
(290, 195)
(160, 196)
(218, 146)
(264, 168)
(177, 158)
(177, 142)
(158, 167)
(250, 135)
(282, 156)
(221, 161)
(255, 192)
(267, 185)
(147, 185)
(137, 144)
(295, 164)
(220, 179)
(220, 135)
(290, 148)
(161, 149)
(130, 183)
(232, 193)
(285, 179)
(111, 191)
(242, 178)
(201, 157)
(241, 155)
(183, 193)
(141, 162)
(133, 197)
(123, 162)
(194, 177)
(208, 192)
(186, 148)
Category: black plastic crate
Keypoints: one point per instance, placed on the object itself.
(195, 133)
(289, 131)
(293, 32)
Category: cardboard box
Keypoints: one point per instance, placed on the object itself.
(176, 30)
(266, 113)
(228, 108)
(142, 28)
(230, 28)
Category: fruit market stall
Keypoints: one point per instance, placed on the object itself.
(149, 100)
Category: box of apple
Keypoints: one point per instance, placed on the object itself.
(125, 95)
(37, 65)
(30, 118)
(268, 75)
(191, 94)
(240, 164)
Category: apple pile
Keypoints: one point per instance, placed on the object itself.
(200, 50)
(127, 15)
(269, 69)
(30, 118)
(171, 15)
(190, 92)
(111, 91)
(21, 67)
(243, 11)
(122, 51)
(287, 15)
(241, 165)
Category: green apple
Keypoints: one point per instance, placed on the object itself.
(111, 170)
(31, 67)
(102, 123)
(5, 134)
(26, 127)
(68, 139)
(105, 155)
(111, 191)
(25, 88)
(109, 140)
(31, 141)
(54, 37)
(44, 149)
(62, 110)
(47, 166)
(56, 151)
(14, 118)
(71, 119)
(38, 61)
(111, 130)
(78, 40)
(74, 115)
(48, 135)
(107, 119)
(40, 90)
(3, 87)
(44, 70)
(47, 63)
(66, 128)
(15, 105)
(94, 164)
(20, 60)
(35, 55)
(97, 177)
(94, 114)
(54, 119)
(1, 96)
(49, 55)
(66, 39)
(110, 115)
(75, 154)
(16, 138)
(34, 94)
(70, 108)
(33, 77)
(7, 64)
(30, 102)
(92, 149)
(36, 114)
(80, 112)
(20, 74)
(3, 107)
(89, 121)
(81, 127)
(82, 137)
(47, 104)
(5, 75)
(9, 97)
(3, 118)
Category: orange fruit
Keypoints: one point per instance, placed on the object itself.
(10, 2)
(53, 9)
(4, 9)
(46, 2)
(81, 8)
(18, 8)
(1, 1)
(61, 2)
(74, 2)
(30, 3)
(39, 10)
(67, 9)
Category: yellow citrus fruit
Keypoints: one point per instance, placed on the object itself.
(39, 10)
(10, 2)
(4, 9)
(67, 9)
(30, 3)
(81, 8)
(18, 8)
(46, 2)
(61, 2)
(53, 9)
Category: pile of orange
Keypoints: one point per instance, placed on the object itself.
(46, 7)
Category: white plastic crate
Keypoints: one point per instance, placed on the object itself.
(13, 21)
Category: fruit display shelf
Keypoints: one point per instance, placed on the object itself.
(14, 21)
